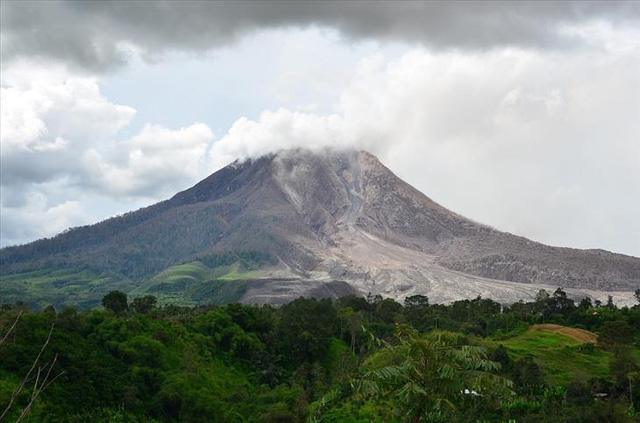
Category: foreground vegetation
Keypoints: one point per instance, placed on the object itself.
(355, 360)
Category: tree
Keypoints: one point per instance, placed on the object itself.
(527, 374)
(610, 303)
(356, 302)
(615, 333)
(542, 296)
(624, 369)
(500, 355)
(115, 301)
(143, 304)
(424, 375)
(387, 309)
(542, 303)
(305, 329)
(637, 295)
(585, 304)
(43, 377)
(353, 322)
(561, 303)
(419, 301)
(416, 309)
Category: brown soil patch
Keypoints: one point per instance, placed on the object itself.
(579, 335)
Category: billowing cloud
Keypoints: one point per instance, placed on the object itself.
(275, 131)
(37, 218)
(58, 126)
(155, 161)
(542, 145)
(59, 140)
(101, 35)
(48, 119)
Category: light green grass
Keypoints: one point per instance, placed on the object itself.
(172, 281)
(193, 283)
(234, 272)
(561, 358)
(57, 287)
(186, 284)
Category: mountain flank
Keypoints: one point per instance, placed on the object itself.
(300, 222)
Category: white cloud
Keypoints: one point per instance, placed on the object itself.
(48, 119)
(38, 218)
(276, 131)
(57, 129)
(55, 125)
(156, 160)
(41, 108)
(540, 144)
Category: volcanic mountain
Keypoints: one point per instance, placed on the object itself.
(300, 222)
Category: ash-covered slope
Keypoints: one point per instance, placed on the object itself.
(308, 219)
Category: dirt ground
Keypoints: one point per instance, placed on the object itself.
(579, 335)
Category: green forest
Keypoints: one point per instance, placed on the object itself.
(353, 359)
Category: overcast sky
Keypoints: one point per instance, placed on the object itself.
(524, 115)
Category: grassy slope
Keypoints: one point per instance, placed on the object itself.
(235, 272)
(58, 287)
(193, 283)
(185, 284)
(579, 335)
(561, 357)
(174, 279)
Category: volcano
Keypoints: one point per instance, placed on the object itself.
(322, 223)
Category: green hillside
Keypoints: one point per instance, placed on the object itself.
(560, 357)
(59, 287)
(184, 284)
(194, 283)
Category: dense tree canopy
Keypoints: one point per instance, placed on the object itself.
(353, 359)
(115, 301)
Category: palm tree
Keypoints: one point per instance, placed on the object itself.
(426, 377)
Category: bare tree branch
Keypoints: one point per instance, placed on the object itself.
(17, 391)
(39, 389)
(15, 322)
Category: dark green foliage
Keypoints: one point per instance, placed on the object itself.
(527, 374)
(585, 304)
(305, 329)
(425, 376)
(615, 333)
(501, 356)
(416, 301)
(355, 360)
(115, 301)
(560, 303)
(144, 304)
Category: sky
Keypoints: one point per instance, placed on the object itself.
(521, 115)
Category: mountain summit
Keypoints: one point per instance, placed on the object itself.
(301, 222)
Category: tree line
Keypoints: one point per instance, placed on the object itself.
(354, 359)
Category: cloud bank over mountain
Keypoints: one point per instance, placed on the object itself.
(520, 115)
(523, 148)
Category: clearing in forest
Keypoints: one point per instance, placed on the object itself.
(579, 335)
